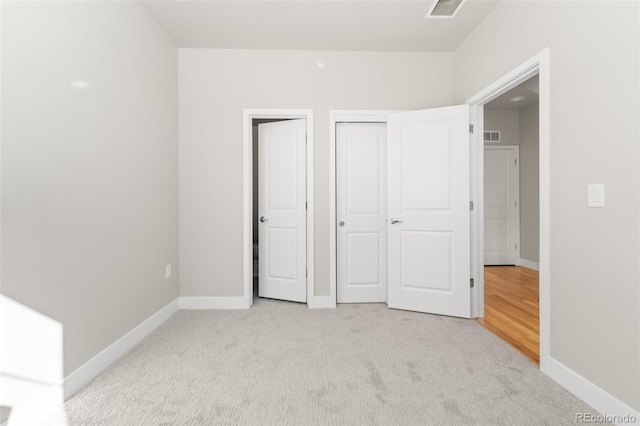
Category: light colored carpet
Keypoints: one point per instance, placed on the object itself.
(280, 363)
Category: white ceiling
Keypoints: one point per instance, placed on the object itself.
(360, 25)
(528, 89)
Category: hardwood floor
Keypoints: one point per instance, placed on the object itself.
(511, 308)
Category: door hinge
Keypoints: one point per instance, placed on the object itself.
(515, 161)
(472, 283)
(516, 246)
(470, 205)
(470, 128)
(515, 204)
(306, 206)
(306, 273)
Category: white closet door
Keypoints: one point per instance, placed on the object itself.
(361, 212)
(501, 206)
(282, 211)
(428, 210)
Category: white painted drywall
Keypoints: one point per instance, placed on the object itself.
(89, 176)
(529, 184)
(215, 86)
(595, 300)
(507, 122)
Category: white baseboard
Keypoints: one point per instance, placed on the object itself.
(233, 302)
(596, 397)
(323, 302)
(96, 365)
(529, 264)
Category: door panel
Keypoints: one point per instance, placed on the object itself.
(361, 209)
(434, 274)
(501, 211)
(363, 257)
(428, 199)
(283, 242)
(281, 205)
(425, 166)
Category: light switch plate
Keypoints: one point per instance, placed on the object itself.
(595, 195)
(167, 272)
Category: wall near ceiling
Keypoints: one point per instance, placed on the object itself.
(215, 86)
(595, 309)
(89, 176)
(507, 122)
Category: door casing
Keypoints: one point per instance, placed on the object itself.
(536, 65)
(247, 177)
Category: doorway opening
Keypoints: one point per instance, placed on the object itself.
(278, 205)
(511, 263)
(511, 218)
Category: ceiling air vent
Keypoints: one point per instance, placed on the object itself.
(444, 8)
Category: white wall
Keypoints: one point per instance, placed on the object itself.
(215, 86)
(507, 122)
(89, 177)
(594, 48)
(529, 184)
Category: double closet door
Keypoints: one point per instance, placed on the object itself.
(402, 209)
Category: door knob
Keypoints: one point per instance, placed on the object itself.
(393, 220)
(341, 223)
(263, 219)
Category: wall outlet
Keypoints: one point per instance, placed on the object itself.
(167, 272)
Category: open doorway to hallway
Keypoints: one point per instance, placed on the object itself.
(511, 225)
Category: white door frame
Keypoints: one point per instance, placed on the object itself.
(342, 116)
(516, 150)
(538, 64)
(247, 176)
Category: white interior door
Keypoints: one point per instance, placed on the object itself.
(428, 210)
(361, 212)
(282, 210)
(501, 205)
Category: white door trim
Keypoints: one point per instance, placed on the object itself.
(247, 176)
(516, 150)
(538, 64)
(342, 116)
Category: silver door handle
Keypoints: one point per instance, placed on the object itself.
(341, 223)
(393, 220)
(263, 219)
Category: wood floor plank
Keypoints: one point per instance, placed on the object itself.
(512, 308)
